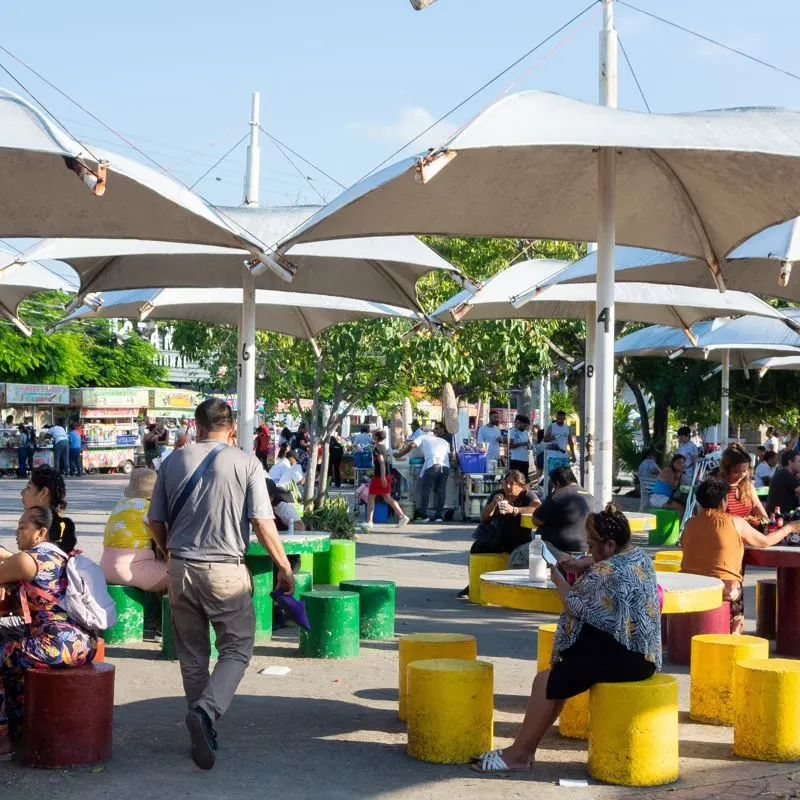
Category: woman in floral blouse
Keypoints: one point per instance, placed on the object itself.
(610, 631)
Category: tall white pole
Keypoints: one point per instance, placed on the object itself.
(589, 397)
(546, 398)
(606, 237)
(247, 328)
(725, 416)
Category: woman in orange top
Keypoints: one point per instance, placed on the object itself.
(734, 469)
(713, 544)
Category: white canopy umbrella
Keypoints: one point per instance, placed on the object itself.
(54, 185)
(380, 269)
(21, 284)
(787, 363)
(762, 265)
(748, 339)
(541, 165)
(506, 296)
(300, 315)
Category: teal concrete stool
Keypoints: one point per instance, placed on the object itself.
(668, 527)
(336, 565)
(303, 582)
(168, 649)
(376, 607)
(130, 603)
(307, 562)
(334, 620)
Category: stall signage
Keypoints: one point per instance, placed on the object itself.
(114, 398)
(127, 441)
(27, 394)
(109, 413)
(173, 398)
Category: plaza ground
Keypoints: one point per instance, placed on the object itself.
(329, 729)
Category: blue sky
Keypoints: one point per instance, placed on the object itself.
(346, 83)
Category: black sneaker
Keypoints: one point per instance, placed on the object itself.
(202, 736)
(463, 593)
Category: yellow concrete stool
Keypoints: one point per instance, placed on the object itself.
(714, 656)
(667, 566)
(766, 725)
(450, 710)
(668, 555)
(573, 722)
(420, 646)
(633, 738)
(480, 563)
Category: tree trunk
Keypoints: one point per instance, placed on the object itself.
(660, 423)
(311, 472)
(644, 414)
(322, 491)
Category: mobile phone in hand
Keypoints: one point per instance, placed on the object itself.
(548, 556)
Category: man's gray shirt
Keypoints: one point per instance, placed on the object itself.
(214, 524)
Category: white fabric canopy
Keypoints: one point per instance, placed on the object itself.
(21, 283)
(635, 302)
(697, 183)
(42, 195)
(755, 266)
(747, 338)
(787, 363)
(380, 269)
(300, 315)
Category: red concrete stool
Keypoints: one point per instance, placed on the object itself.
(68, 716)
(681, 628)
(766, 607)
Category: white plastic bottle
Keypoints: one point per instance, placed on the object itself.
(537, 567)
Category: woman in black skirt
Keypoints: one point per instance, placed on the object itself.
(609, 632)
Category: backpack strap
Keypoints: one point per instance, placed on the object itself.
(180, 502)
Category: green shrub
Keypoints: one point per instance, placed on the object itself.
(333, 516)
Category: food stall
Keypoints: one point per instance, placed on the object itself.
(166, 408)
(33, 404)
(109, 420)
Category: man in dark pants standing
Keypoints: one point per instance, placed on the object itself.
(205, 499)
(435, 470)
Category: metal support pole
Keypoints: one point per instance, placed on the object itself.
(606, 239)
(247, 328)
(589, 394)
(725, 417)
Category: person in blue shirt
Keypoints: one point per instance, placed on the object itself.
(75, 462)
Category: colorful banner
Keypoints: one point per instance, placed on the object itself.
(29, 394)
(180, 399)
(109, 413)
(114, 398)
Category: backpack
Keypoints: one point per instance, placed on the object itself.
(86, 599)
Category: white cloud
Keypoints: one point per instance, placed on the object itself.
(410, 122)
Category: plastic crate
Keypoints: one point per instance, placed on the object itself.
(381, 513)
(362, 460)
(472, 463)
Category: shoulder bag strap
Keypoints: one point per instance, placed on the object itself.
(180, 502)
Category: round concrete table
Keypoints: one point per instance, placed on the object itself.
(512, 588)
(638, 520)
(786, 560)
(259, 562)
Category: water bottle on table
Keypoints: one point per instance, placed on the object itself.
(537, 568)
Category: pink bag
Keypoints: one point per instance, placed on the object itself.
(362, 492)
(660, 589)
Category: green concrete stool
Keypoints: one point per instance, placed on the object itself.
(303, 582)
(333, 616)
(668, 527)
(376, 607)
(307, 562)
(168, 649)
(261, 571)
(337, 564)
(130, 603)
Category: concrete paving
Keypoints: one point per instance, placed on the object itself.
(329, 729)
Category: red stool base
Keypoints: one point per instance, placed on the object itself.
(68, 716)
(766, 607)
(681, 628)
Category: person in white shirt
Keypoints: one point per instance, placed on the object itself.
(766, 468)
(773, 442)
(687, 449)
(417, 431)
(286, 470)
(557, 436)
(490, 435)
(435, 470)
(519, 445)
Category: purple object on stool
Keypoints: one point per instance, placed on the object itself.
(681, 628)
(296, 609)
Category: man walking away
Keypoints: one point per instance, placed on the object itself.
(205, 499)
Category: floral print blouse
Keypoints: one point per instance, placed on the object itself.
(619, 596)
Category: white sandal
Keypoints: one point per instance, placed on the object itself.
(492, 763)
